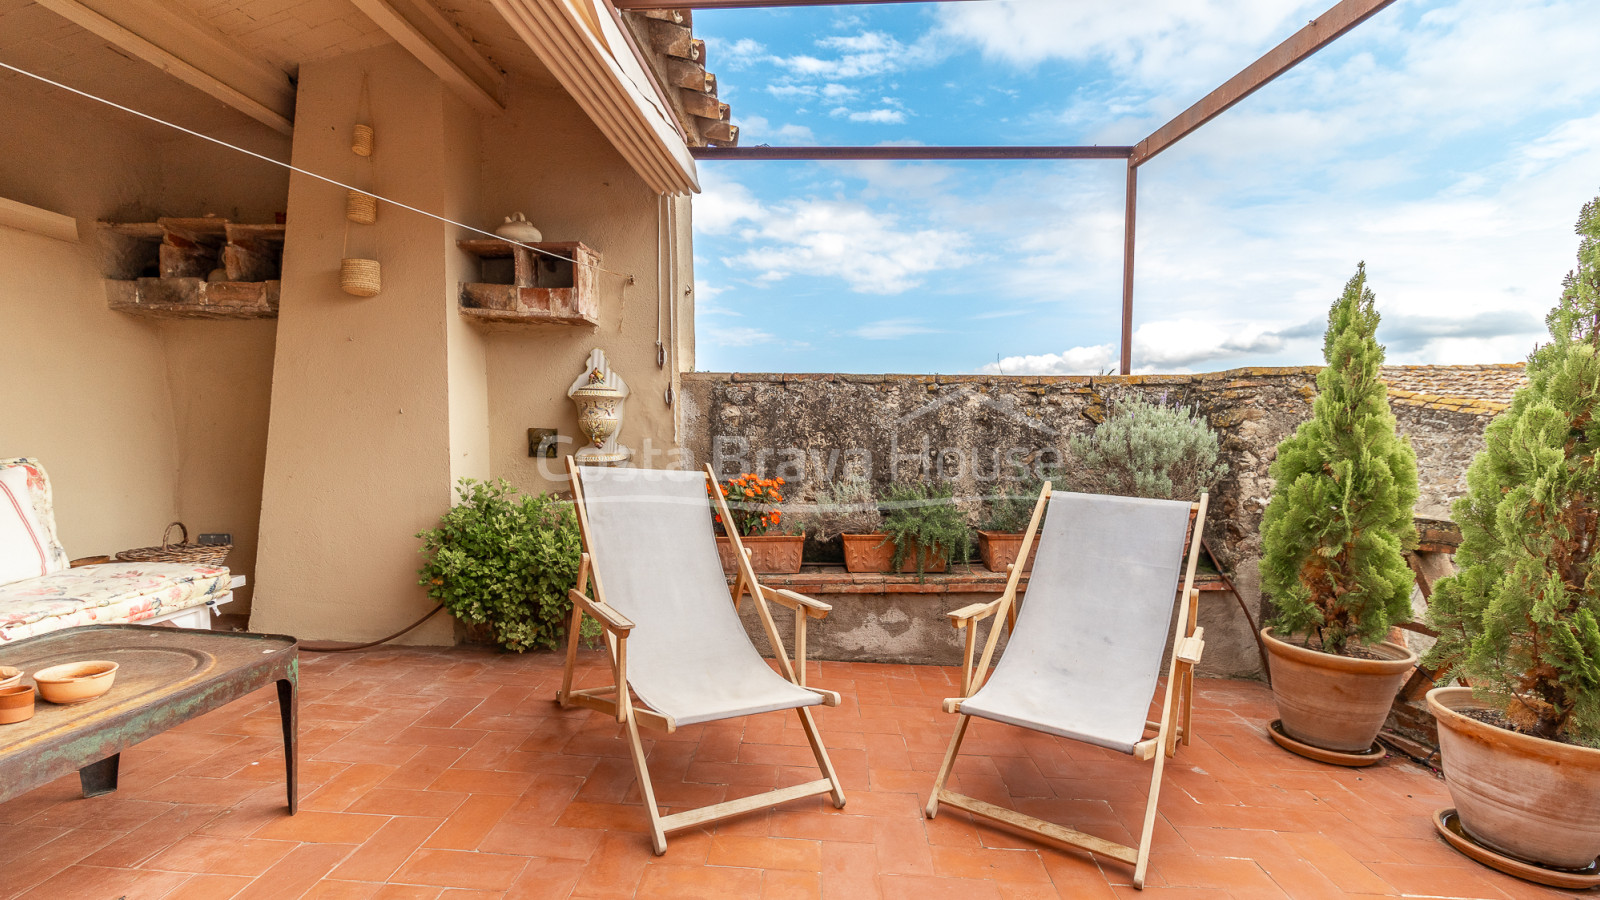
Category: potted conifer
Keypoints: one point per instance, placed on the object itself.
(1332, 550)
(1521, 746)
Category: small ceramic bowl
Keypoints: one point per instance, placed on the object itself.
(9, 675)
(16, 703)
(76, 682)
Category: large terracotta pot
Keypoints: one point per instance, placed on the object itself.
(1335, 702)
(1524, 796)
(1000, 549)
(770, 554)
(869, 553)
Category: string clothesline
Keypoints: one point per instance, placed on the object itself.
(306, 172)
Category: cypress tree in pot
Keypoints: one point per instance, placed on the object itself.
(1333, 541)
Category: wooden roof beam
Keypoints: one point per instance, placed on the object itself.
(430, 37)
(169, 39)
(1320, 32)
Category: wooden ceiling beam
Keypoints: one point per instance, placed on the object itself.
(430, 37)
(1320, 32)
(169, 39)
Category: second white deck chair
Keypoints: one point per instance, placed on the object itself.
(1085, 652)
(673, 630)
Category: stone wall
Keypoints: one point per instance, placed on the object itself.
(966, 429)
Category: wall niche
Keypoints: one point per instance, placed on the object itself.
(193, 268)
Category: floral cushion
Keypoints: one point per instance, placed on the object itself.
(106, 594)
(43, 511)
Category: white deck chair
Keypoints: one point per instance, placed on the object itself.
(1085, 650)
(675, 637)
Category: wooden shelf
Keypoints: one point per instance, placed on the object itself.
(521, 287)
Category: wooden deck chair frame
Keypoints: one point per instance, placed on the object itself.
(1177, 710)
(616, 700)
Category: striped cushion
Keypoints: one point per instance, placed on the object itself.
(23, 543)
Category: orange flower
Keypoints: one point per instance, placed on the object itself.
(775, 516)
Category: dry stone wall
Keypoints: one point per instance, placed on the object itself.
(970, 429)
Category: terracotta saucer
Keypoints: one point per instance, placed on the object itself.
(1332, 757)
(1448, 824)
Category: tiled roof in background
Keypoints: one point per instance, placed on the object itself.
(1481, 388)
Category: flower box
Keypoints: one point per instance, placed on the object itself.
(1000, 548)
(867, 553)
(770, 554)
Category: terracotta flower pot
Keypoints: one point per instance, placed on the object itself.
(770, 554)
(1533, 799)
(1000, 548)
(869, 553)
(1335, 702)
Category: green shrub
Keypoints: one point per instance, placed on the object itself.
(1146, 449)
(926, 517)
(848, 506)
(1519, 619)
(1333, 535)
(506, 563)
(1009, 507)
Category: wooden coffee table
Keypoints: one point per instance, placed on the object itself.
(166, 676)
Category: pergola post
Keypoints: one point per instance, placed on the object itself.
(1129, 212)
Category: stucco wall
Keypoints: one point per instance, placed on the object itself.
(545, 158)
(138, 421)
(962, 428)
(380, 405)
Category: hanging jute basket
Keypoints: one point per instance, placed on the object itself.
(359, 277)
(360, 208)
(361, 142)
(181, 552)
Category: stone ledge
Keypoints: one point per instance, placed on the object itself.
(814, 580)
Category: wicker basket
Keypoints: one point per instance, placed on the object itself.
(360, 208)
(361, 141)
(359, 277)
(181, 552)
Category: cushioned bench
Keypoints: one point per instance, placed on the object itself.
(41, 592)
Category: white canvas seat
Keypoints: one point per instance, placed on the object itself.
(654, 550)
(673, 628)
(1084, 658)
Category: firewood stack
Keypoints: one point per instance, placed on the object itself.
(679, 61)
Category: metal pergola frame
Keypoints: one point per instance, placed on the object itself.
(1316, 34)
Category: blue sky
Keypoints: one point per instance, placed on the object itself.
(1448, 143)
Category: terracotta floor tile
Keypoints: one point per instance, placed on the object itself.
(431, 774)
(546, 879)
(204, 854)
(674, 882)
(298, 872)
(215, 887)
(466, 828)
(95, 883)
(923, 887)
(322, 827)
(392, 845)
(390, 802)
(461, 868)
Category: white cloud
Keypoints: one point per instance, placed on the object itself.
(859, 55)
(891, 329)
(875, 116)
(872, 251)
(739, 336)
(735, 55)
(758, 130)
